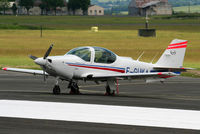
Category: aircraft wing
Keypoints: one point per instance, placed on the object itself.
(29, 71)
(129, 75)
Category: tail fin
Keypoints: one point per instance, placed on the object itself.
(173, 55)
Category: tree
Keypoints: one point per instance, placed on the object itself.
(45, 5)
(84, 6)
(42, 7)
(56, 3)
(28, 4)
(14, 9)
(4, 5)
(74, 5)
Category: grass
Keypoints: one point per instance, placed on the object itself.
(16, 45)
(84, 22)
(193, 9)
(20, 36)
(191, 74)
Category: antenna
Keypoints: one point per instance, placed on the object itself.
(140, 56)
(154, 57)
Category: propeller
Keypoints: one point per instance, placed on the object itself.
(42, 61)
(45, 57)
(44, 76)
(48, 52)
(33, 57)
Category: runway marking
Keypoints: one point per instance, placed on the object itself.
(124, 115)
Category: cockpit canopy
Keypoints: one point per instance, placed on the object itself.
(103, 55)
(82, 52)
(100, 55)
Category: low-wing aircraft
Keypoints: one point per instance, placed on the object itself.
(101, 65)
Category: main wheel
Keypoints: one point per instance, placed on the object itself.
(56, 90)
(74, 88)
(108, 91)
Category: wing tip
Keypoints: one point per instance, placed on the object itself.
(5, 69)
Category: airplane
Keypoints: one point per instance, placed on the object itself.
(102, 65)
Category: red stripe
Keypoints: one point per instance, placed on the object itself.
(178, 43)
(101, 68)
(4, 69)
(183, 46)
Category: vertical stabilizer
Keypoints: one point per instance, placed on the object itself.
(174, 55)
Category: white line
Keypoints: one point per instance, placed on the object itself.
(124, 115)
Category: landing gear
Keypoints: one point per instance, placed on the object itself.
(109, 92)
(72, 85)
(110, 88)
(56, 90)
(74, 88)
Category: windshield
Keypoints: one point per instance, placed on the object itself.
(103, 55)
(83, 53)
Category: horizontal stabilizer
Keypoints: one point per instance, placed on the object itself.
(171, 69)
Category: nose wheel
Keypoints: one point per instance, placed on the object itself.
(56, 90)
(72, 85)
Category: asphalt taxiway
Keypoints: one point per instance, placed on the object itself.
(176, 93)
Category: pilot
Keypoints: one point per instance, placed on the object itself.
(104, 57)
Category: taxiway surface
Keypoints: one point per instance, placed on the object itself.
(177, 93)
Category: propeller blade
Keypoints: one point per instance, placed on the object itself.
(48, 52)
(33, 57)
(44, 76)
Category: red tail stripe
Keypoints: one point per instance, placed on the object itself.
(4, 69)
(181, 43)
(183, 46)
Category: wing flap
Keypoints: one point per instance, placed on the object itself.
(29, 71)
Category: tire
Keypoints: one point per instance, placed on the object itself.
(108, 91)
(74, 88)
(56, 90)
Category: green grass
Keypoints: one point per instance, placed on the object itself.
(84, 22)
(20, 36)
(16, 45)
(188, 74)
(193, 9)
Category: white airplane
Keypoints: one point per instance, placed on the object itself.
(101, 65)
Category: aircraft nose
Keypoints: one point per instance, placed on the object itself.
(40, 61)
